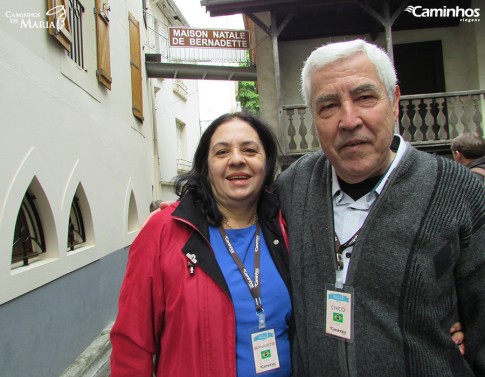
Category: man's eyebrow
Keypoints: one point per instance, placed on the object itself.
(326, 97)
(365, 88)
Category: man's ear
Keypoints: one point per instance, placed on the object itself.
(397, 97)
(457, 156)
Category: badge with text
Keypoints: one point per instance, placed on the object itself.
(339, 313)
(265, 351)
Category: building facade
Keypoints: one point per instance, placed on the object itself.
(78, 170)
(436, 46)
(175, 101)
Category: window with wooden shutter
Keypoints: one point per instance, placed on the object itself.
(135, 63)
(102, 42)
(58, 20)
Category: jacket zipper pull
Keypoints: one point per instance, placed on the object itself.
(191, 264)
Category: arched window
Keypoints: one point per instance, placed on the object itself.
(76, 232)
(28, 241)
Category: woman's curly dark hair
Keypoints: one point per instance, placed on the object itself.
(197, 179)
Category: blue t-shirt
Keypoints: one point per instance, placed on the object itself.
(274, 297)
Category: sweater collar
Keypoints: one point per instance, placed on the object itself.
(399, 146)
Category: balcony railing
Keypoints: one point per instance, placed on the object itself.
(424, 120)
(180, 88)
(183, 165)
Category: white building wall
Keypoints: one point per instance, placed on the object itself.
(171, 108)
(174, 101)
(62, 127)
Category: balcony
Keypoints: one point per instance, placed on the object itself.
(180, 89)
(427, 121)
(183, 165)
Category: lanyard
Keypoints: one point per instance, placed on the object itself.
(254, 287)
(339, 248)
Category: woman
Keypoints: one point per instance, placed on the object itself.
(206, 291)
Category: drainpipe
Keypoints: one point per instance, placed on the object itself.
(157, 192)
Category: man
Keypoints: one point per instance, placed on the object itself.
(386, 243)
(468, 149)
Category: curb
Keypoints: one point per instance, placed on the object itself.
(93, 358)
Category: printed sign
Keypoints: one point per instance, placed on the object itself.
(208, 38)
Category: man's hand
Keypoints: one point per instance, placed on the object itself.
(166, 204)
(458, 336)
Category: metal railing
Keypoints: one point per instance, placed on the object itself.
(76, 234)
(183, 165)
(76, 11)
(424, 119)
(180, 88)
(29, 241)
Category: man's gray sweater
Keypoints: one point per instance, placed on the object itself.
(417, 267)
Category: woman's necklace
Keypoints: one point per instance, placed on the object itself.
(227, 225)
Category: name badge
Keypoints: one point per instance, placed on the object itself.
(265, 351)
(339, 313)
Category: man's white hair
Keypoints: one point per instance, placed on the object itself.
(332, 52)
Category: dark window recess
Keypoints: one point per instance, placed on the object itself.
(29, 241)
(419, 67)
(76, 232)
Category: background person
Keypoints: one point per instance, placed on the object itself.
(185, 300)
(155, 205)
(387, 243)
(468, 149)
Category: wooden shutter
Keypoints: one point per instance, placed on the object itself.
(135, 63)
(59, 22)
(102, 42)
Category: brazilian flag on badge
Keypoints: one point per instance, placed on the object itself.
(338, 317)
(265, 354)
